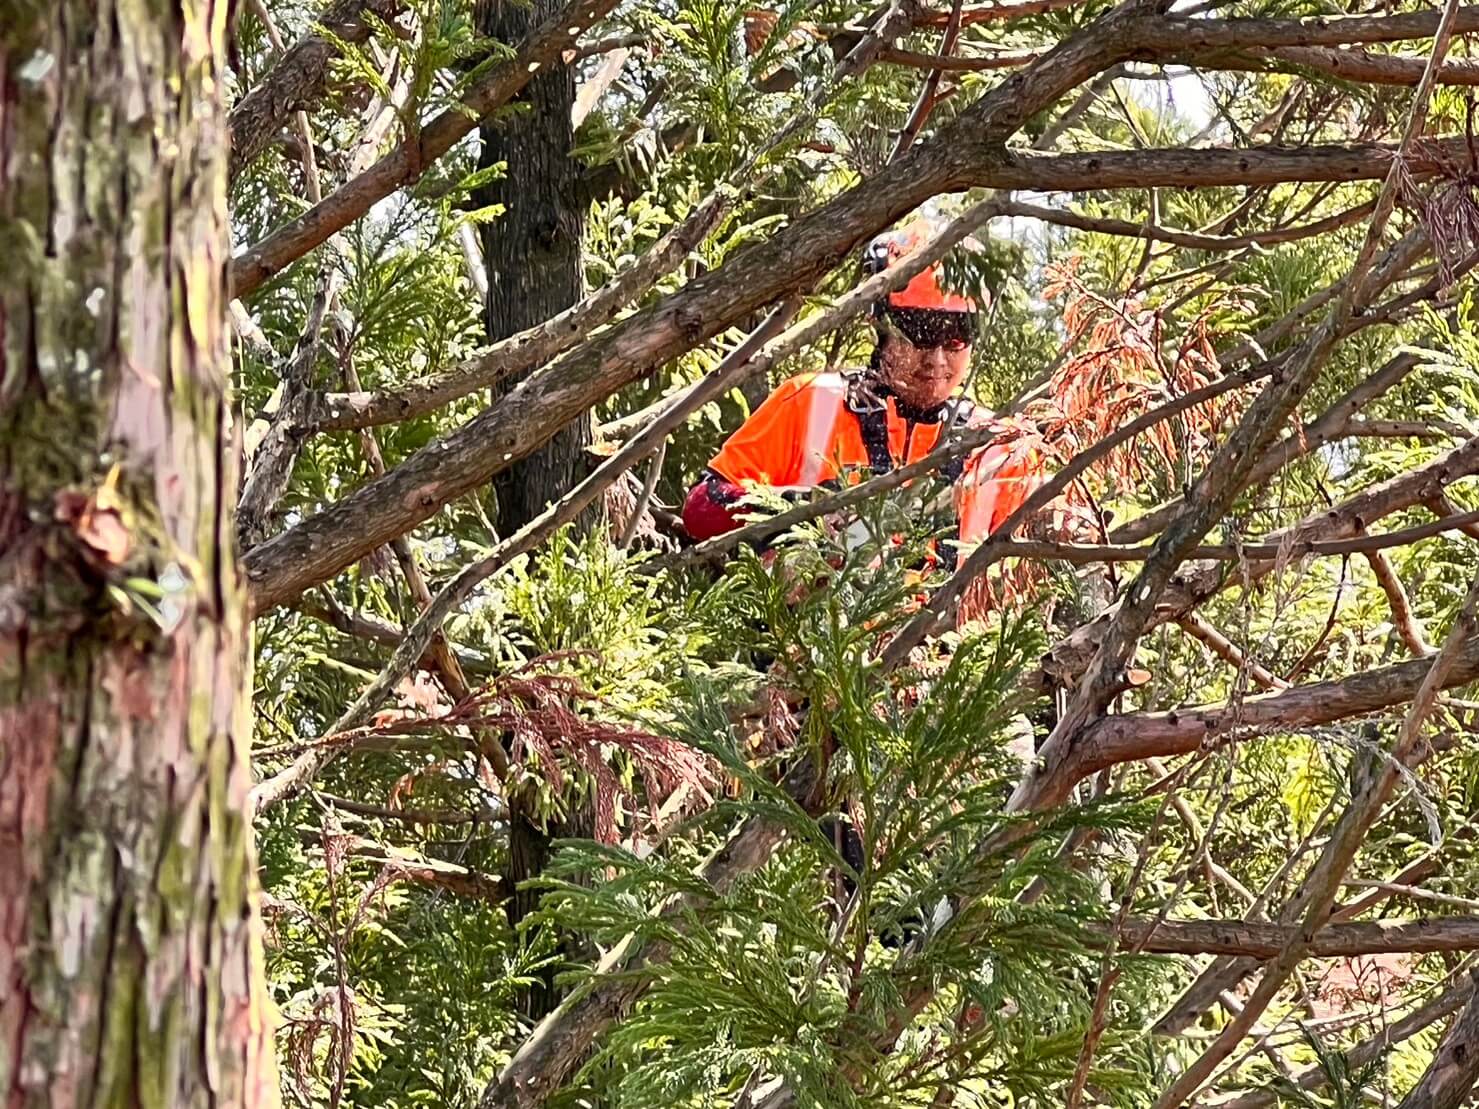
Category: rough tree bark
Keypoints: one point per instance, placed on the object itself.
(533, 260)
(532, 251)
(130, 942)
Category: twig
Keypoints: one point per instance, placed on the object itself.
(649, 486)
(1399, 890)
(1229, 652)
(1403, 619)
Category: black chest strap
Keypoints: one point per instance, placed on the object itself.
(873, 426)
(867, 401)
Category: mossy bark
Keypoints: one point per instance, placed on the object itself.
(130, 943)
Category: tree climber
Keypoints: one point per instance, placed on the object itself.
(820, 429)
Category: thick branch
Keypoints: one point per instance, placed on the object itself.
(1450, 1078)
(1169, 35)
(1203, 168)
(514, 355)
(1264, 941)
(1138, 735)
(299, 77)
(1365, 67)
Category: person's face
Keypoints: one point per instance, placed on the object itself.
(923, 377)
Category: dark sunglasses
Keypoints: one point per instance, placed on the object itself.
(929, 328)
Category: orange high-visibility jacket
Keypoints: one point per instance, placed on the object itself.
(806, 434)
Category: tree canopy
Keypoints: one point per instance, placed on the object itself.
(1172, 809)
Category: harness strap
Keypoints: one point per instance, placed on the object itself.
(873, 426)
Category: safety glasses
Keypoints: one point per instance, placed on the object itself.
(929, 328)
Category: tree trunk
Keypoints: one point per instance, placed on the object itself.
(532, 251)
(130, 943)
(532, 256)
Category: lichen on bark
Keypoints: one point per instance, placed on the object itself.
(130, 946)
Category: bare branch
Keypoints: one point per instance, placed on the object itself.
(1129, 737)
(374, 630)
(1266, 550)
(928, 92)
(1204, 168)
(1264, 941)
(1403, 619)
(271, 465)
(1187, 238)
(993, 13)
(432, 872)
(1171, 33)
(1417, 893)
(1365, 67)
(1450, 1078)
(973, 63)
(514, 355)
(1403, 429)
(403, 165)
(485, 815)
(1225, 649)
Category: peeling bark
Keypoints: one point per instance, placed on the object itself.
(130, 945)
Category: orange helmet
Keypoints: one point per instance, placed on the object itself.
(924, 290)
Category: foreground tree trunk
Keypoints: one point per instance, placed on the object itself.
(130, 944)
